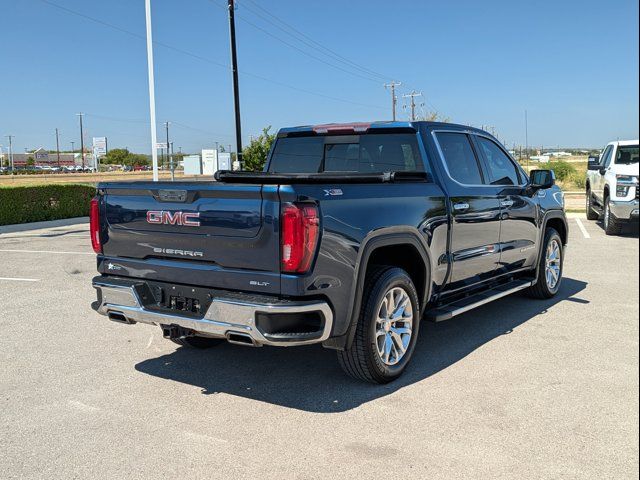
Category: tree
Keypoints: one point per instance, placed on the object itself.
(122, 156)
(433, 117)
(255, 154)
(30, 162)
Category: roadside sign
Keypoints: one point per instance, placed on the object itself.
(162, 146)
(99, 146)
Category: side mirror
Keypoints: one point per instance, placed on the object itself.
(593, 163)
(542, 179)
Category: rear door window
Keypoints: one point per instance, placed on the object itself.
(502, 171)
(459, 158)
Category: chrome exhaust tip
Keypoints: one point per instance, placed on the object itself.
(241, 339)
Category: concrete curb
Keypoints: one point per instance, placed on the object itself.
(25, 227)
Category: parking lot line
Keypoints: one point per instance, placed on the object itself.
(582, 229)
(9, 279)
(46, 251)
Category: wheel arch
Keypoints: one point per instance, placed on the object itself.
(401, 247)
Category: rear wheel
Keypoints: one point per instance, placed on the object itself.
(197, 342)
(550, 267)
(387, 328)
(611, 224)
(591, 213)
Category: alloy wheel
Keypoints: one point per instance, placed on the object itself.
(552, 264)
(394, 324)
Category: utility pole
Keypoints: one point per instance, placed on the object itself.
(413, 96)
(234, 68)
(58, 146)
(10, 137)
(171, 165)
(169, 152)
(152, 91)
(394, 99)
(81, 139)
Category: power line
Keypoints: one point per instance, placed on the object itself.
(210, 61)
(310, 42)
(267, 32)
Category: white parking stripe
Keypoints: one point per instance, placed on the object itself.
(47, 251)
(20, 279)
(582, 229)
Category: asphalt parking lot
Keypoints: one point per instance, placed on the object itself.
(517, 389)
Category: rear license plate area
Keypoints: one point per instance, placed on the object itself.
(185, 304)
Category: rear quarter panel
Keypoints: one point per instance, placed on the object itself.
(348, 218)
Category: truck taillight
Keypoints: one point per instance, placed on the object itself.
(94, 225)
(298, 236)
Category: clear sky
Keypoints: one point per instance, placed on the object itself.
(573, 65)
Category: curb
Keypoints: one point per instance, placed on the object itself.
(24, 227)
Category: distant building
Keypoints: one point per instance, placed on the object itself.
(540, 158)
(43, 158)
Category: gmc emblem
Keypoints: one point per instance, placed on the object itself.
(163, 217)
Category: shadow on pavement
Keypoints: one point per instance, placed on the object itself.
(310, 379)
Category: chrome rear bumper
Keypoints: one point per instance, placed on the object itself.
(225, 318)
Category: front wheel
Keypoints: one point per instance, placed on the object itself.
(591, 213)
(611, 224)
(387, 328)
(550, 267)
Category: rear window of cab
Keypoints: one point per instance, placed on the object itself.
(369, 153)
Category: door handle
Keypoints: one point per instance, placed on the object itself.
(506, 203)
(461, 206)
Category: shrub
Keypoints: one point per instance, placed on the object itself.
(44, 202)
(564, 170)
(579, 180)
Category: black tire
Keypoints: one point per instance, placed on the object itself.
(612, 225)
(541, 288)
(361, 360)
(197, 342)
(591, 213)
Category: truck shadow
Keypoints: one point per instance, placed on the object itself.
(310, 379)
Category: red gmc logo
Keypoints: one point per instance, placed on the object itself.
(163, 217)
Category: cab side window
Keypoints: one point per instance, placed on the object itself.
(501, 169)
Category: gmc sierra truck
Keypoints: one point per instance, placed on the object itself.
(351, 235)
(612, 186)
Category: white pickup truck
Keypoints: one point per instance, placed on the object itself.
(612, 186)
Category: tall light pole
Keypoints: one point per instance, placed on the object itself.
(234, 69)
(152, 92)
(526, 138)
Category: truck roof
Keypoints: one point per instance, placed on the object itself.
(366, 127)
(624, 142)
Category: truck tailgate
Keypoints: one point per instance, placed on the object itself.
(195, 226)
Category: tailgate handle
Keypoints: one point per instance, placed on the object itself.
(172, 195)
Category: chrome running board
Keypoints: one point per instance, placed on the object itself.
(446, 312)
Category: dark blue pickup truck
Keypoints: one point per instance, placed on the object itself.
(351, 235)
